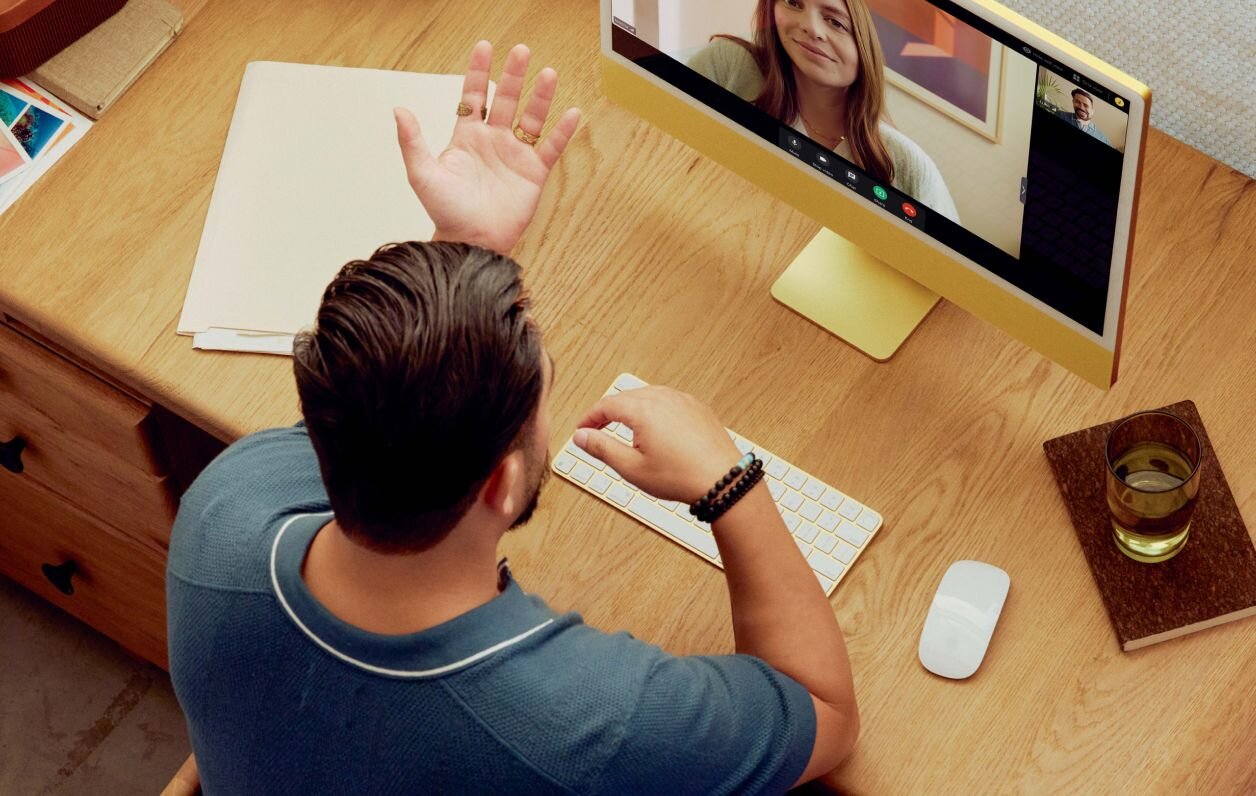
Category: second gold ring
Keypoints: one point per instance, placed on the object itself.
(526, 137)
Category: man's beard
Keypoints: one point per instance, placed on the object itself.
(528, 510)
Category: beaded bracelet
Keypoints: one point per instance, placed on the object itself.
(711, 507)
(751, 477)
(704, 502)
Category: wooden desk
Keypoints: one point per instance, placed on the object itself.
(648, 258)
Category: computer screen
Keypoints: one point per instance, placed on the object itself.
(975, 134)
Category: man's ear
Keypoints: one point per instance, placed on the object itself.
(499, 492)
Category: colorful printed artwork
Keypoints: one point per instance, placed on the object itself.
(941, 61)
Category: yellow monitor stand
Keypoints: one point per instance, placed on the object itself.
(853, 295)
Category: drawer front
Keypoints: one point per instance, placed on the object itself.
(99, 483)
(37, 381)
(119, 582)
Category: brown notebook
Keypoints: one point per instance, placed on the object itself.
(1211, 582)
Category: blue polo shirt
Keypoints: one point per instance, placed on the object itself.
(283, 697)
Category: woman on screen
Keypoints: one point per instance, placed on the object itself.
(816, 65)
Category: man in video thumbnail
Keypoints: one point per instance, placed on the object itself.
(1082, 116)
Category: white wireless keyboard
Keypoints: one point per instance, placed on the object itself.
(831, 528)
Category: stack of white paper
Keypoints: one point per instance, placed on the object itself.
(311, 178)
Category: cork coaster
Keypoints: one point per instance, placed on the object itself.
(1210, 582)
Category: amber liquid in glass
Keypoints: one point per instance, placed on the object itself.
(1151, 501)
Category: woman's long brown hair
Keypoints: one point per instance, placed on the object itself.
(865, 98)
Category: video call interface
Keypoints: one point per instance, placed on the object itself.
(995, 149)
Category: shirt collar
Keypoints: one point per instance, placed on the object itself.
(509, 618)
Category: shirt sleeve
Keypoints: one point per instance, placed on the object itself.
(719, 724)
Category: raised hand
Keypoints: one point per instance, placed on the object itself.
(485, 187)
(679, 448)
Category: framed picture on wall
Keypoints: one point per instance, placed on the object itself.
(943, 62)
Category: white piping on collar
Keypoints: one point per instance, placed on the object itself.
(409, 674)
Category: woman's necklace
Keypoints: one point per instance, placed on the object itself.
(824, 139)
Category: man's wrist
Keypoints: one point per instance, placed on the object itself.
(443, 236)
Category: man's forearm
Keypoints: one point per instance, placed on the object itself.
(780, 613)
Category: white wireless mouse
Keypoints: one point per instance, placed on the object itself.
(962, 617)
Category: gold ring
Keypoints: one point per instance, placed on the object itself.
(464, 109)
(526, 137)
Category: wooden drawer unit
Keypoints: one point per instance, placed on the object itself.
(36, 380)
(117, 581)
(86, 502)
(98, 482)
(82, 439)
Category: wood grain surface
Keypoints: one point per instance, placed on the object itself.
(649, 258)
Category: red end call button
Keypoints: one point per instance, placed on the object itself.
(909, 210)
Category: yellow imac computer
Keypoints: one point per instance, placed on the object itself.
(950, 148)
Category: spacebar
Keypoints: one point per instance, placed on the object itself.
(656, 515)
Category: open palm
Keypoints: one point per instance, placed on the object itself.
(485, 187)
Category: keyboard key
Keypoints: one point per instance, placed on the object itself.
(612, 427)
(791, 501)
(624, 433)
(776, 468)
(611, 474)
(628, 382)
(563, 463)
(813, 489)
(850, 509)
(582, 472)
(810, 511)
(826, 542)
(599, 483)
(844, 553)
(868, 520)
(795, 478)
(705, 526)
(670, 505)
(831, 499)
(828, 521)
(825, 565)
(669, 523)
(852, 533)
(743, 446)
(807, 532)
(825, 583)
(620, 494)
(776, 488)
(584, 456)
(803, 547)
(792, 521)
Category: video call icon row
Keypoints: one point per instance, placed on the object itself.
(825, 161)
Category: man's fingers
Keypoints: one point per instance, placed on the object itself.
(538, 107)
(607, 448)
(475, 85)
(611, 409)
(551, 148)
(506, 98)
(414, 151)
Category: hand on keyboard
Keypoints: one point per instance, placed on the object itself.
(679, 448)
(680, 451)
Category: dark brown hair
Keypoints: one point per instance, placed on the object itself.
(865, 104)
(422, 372)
